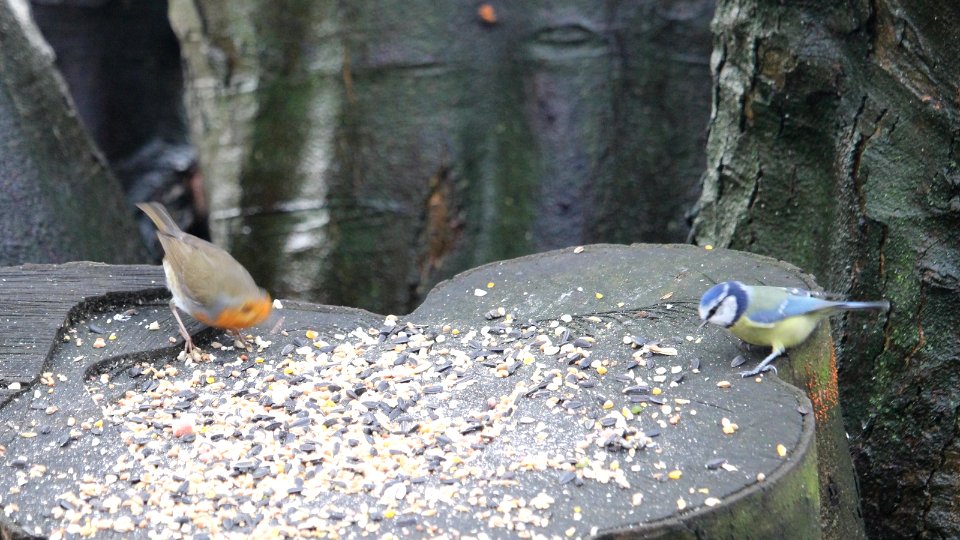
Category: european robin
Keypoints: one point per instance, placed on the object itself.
(206, 281)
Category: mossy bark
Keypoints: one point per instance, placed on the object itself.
(121, 62)
(360, 152)
(58, 200)
(834, 146)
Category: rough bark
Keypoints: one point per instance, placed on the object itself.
(359, 152)
(58, 201)
(834, 145)
(122, 65)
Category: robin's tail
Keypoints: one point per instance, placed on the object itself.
(160, 217)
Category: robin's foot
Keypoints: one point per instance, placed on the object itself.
(239, 340)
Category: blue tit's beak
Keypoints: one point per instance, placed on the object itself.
(704, 323)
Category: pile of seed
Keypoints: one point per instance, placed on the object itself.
(382, 430)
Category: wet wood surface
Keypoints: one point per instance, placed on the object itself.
(567, 393)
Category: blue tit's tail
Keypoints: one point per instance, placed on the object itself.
(880, 305)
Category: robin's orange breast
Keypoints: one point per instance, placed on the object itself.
(250, 313)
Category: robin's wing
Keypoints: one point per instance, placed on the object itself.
(208, 274)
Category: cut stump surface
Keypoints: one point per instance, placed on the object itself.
(566, 394)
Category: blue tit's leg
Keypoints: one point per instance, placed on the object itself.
(765, 365)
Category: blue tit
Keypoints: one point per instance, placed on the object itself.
(776, 317)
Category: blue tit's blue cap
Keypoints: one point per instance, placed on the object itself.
(714, 294)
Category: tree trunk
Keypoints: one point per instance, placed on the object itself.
(58, 201)
(834, 145)
(359, 152)
(122, 64)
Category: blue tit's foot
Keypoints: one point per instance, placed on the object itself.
(766, 364)
(758, 370)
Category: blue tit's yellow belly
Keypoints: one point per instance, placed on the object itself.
(784, 334)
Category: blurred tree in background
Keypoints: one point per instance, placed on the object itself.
(52, 177)
(122, 65)
(357, 153)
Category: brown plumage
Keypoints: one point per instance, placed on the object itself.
(206, 281)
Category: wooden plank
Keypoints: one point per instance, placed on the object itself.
(38, 301)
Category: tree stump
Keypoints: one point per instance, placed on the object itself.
(565, 394)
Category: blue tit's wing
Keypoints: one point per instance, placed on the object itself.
(791, 306)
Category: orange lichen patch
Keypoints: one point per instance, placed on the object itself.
(824, 392)
(487, 14)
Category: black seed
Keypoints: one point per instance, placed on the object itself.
(583, 343)
(694, 363)
(567, 476)
(299, 422)
(738, 361)
(715, 464)
(408, 521)
(471, 428)
(244, 466)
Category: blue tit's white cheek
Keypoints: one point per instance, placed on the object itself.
(726, 312)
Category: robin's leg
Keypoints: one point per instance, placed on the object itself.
(187, 340)
(239, 336)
